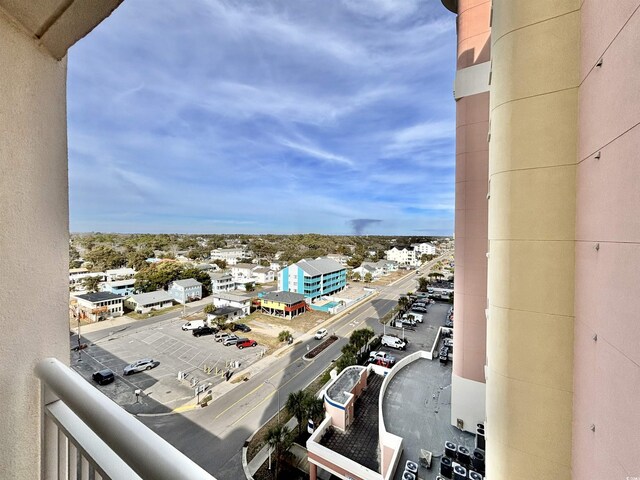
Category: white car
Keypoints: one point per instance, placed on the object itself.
(320, 334)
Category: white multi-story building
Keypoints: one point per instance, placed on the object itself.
(229, 255)
(424, 248)
(403, 255)
(221, 282)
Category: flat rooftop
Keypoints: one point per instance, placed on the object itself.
(360, 441)
(341, 389)
(417, 407)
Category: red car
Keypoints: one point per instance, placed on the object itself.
(245, 342)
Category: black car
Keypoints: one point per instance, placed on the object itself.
(242, 327)
(103, 377)
(198, 332)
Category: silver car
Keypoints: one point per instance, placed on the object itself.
(230, 340)
(140, 365)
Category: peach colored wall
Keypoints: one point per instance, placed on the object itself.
(472, 154)
(337, 415)
(473, 32)
(387, 457)
(321, 461)
(606, 370)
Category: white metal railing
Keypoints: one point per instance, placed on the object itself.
(86, 436)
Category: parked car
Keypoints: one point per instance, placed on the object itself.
(419, 309)
(230, 340)
(103, 377)
(205, 330)
(373, 356)
(193, 324)
(140, 365)
(245, 342)
(393, 342)
(242, 327)
(320, 334)
(219, 337)
(383, 362)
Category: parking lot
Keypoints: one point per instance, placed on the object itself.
(422, 336)
(202, 359)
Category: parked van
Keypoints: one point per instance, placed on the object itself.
(193, 324)
(393, 342)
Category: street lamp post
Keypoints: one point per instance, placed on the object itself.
(278, 391)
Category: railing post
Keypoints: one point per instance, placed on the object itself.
(50, 438)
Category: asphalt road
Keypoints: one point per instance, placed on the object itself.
(213, 436)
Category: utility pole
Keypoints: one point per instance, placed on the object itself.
(277, 390)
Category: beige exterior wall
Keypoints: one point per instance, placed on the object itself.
(35, 231)
(34, 212)
(532, 167)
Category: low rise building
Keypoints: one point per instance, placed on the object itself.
(283, 304)
(119, 287)
(221, 282)
(263, 275)
(119, 274)
(242, 302)
(185, 291)
(99, 306)
(145, 302)
(243, 272)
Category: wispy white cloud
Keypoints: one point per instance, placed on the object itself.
(263, 116)
(318, 153)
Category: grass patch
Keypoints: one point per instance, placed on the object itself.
(153, 313)
(301, 324)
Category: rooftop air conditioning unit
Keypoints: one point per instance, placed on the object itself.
(477, 460)
(463, 455)
(459, 472)
(446, 469)
(474, 475)
(408, 476)
(450, 450)
(411, 467)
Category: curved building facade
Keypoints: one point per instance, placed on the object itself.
(562, 365)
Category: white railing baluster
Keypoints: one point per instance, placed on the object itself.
(63, 446)
(86, 436)
(84, 468)
(72, 461)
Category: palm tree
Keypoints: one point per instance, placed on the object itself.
(315, 410)
(296, 405)
(423, 284)
(403, 303)
(279, 440)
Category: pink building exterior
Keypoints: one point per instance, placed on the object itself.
(471, 214)
(604, 421)
(607, 304)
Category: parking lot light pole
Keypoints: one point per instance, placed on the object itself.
(278, 391)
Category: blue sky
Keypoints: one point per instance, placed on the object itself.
(214, 116)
